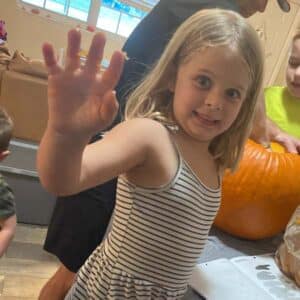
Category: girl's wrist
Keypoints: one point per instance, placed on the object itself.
(67, 138)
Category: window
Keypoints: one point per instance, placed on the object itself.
(116, 16)
(77, 9)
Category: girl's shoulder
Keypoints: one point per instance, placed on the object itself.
(142, 126)
(145, 122)
(160, 158)
(140, 133)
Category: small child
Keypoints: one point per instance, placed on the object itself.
(283, 103)
(8, 220)
(185, 124)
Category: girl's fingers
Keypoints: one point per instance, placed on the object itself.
(95, 54)
(50, 60)
(72, 57)
(108, 108)
(111, 75)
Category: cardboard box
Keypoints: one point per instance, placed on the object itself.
(25, 99)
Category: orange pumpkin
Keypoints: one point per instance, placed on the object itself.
(260, 197)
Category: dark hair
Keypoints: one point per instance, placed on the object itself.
(6, 129)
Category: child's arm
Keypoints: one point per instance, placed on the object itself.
(74, 168)
(81, 103)
(7, 231)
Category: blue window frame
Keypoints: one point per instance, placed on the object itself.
(119, 17)
(116, 16)
(77, 9)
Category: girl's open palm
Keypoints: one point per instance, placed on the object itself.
(80, 100)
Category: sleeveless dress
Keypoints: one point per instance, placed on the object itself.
(156, 238)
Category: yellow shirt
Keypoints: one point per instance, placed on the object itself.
(283, 109)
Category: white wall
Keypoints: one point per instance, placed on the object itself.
(27, 32)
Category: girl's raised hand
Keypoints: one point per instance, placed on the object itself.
(80, 100)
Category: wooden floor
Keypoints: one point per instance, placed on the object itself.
(26, 266)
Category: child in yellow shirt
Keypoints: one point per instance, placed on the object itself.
(283, 103)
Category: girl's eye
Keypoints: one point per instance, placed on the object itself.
(233, 94)
(204, 82)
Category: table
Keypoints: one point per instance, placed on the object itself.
(223, 245)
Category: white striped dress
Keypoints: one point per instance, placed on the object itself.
(156, 239)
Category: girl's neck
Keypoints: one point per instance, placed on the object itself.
(196, 154)
(190, 144)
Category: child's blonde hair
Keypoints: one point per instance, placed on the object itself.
(206, 28)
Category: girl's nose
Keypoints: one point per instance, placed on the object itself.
(297, 72)
(213, 101)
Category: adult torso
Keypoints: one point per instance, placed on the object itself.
(147, 41)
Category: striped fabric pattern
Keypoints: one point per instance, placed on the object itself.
(156, 239)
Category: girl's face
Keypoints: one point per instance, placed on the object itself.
(293, 70)
(209, 91)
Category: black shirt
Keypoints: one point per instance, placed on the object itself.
(147, 42)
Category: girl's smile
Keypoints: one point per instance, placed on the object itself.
(205, 120)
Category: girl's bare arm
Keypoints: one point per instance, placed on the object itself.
(81, 102)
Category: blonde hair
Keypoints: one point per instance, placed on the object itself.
(206, 28)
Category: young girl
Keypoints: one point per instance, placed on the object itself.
(185, 123)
